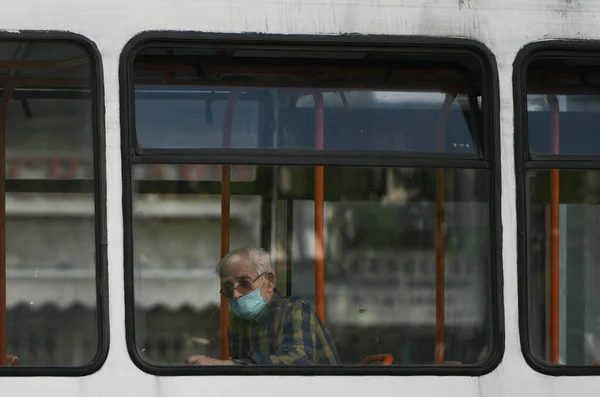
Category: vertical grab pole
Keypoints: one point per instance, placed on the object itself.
(6, 95)
(225, 214)
(319, 198)
(554, 233)
(440, 248)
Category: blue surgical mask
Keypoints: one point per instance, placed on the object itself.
(248, 306)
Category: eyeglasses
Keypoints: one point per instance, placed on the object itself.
(243, 287)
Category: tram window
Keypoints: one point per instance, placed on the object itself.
(51, 316)
(274, 120)
(562, 209)
(177, 234)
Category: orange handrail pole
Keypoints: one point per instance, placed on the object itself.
(319, 199)
(6, 96)
(554, 234)
(440, 307)
(225, 214)
(440, 240)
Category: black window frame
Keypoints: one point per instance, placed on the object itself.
(418, 45)
(99, 189)
(524, 161)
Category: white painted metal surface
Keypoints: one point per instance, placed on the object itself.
(503, 26)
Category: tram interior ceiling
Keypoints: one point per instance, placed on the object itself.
(367, 175)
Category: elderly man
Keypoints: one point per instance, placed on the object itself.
(266, 328)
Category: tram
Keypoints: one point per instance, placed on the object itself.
(425, 174)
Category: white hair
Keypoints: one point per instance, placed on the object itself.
(258, 256)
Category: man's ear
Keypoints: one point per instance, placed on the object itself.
(271, 279)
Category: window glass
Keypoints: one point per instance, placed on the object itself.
(170, 118)
(188, 112)
(575, 340)
(380, 259)
(562, 209)
(363, 260)
(51, 298)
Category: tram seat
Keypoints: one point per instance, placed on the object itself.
(386, 359)
(12, 360)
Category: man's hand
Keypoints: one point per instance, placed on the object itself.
(204, 360)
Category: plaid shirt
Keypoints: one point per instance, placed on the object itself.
(287, 331)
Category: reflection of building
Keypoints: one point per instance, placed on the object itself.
(50, 231)
(398, 288)
(51, 273)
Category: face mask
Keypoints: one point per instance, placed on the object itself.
(248, 306)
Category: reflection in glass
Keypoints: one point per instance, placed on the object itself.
(376, 120)
(50, 212)
(578, 223)
(191, 97)
(380, 249)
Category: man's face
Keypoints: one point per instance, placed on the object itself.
(240, 278)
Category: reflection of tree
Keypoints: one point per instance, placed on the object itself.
(581, 187)
(590, 188)
(362, 225)
(400, 217)
(355, 222)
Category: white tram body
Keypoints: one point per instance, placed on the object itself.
(501, 29)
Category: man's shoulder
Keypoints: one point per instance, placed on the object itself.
(294, 303)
